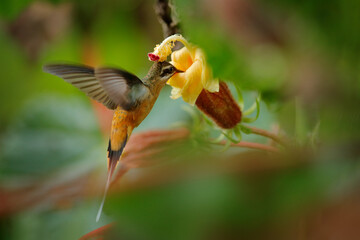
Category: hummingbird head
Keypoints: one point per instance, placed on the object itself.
(161, 72)
(167, 70)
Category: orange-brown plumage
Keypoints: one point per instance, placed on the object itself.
(121, 127)
(124, 122)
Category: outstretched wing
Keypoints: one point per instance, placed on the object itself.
(125, 89)
(83, 78)
(111, 87)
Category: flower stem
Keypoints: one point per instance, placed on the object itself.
(252, 145)
(267, 134)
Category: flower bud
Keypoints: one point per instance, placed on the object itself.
(220, 106)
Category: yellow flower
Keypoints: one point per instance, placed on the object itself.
(196, 76)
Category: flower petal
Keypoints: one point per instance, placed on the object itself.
(209, 83)
(193, 86)
(181, 59)
(199, 54)
(178, 65)
(212, 85)
(175, 93)
(177, 80)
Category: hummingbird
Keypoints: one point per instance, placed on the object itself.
(132, 99)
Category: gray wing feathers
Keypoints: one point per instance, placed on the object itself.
(111, 87)
(124, 88)
(84, 79)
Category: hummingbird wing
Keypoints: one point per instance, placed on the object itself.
(83, 78)
(123, 88)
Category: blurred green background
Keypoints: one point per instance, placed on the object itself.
(303, 56)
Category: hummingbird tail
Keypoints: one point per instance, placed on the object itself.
(105, 192)
(113, 160)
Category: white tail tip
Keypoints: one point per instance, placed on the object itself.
(104, 197)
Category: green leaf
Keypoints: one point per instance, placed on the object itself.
(218, 139)
(255, 106)
(228, 135)
(245, 129)
(208, 121)
(237, 133)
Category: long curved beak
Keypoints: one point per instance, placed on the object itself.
(178, 71)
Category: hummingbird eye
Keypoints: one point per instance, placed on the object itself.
(168, 71)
